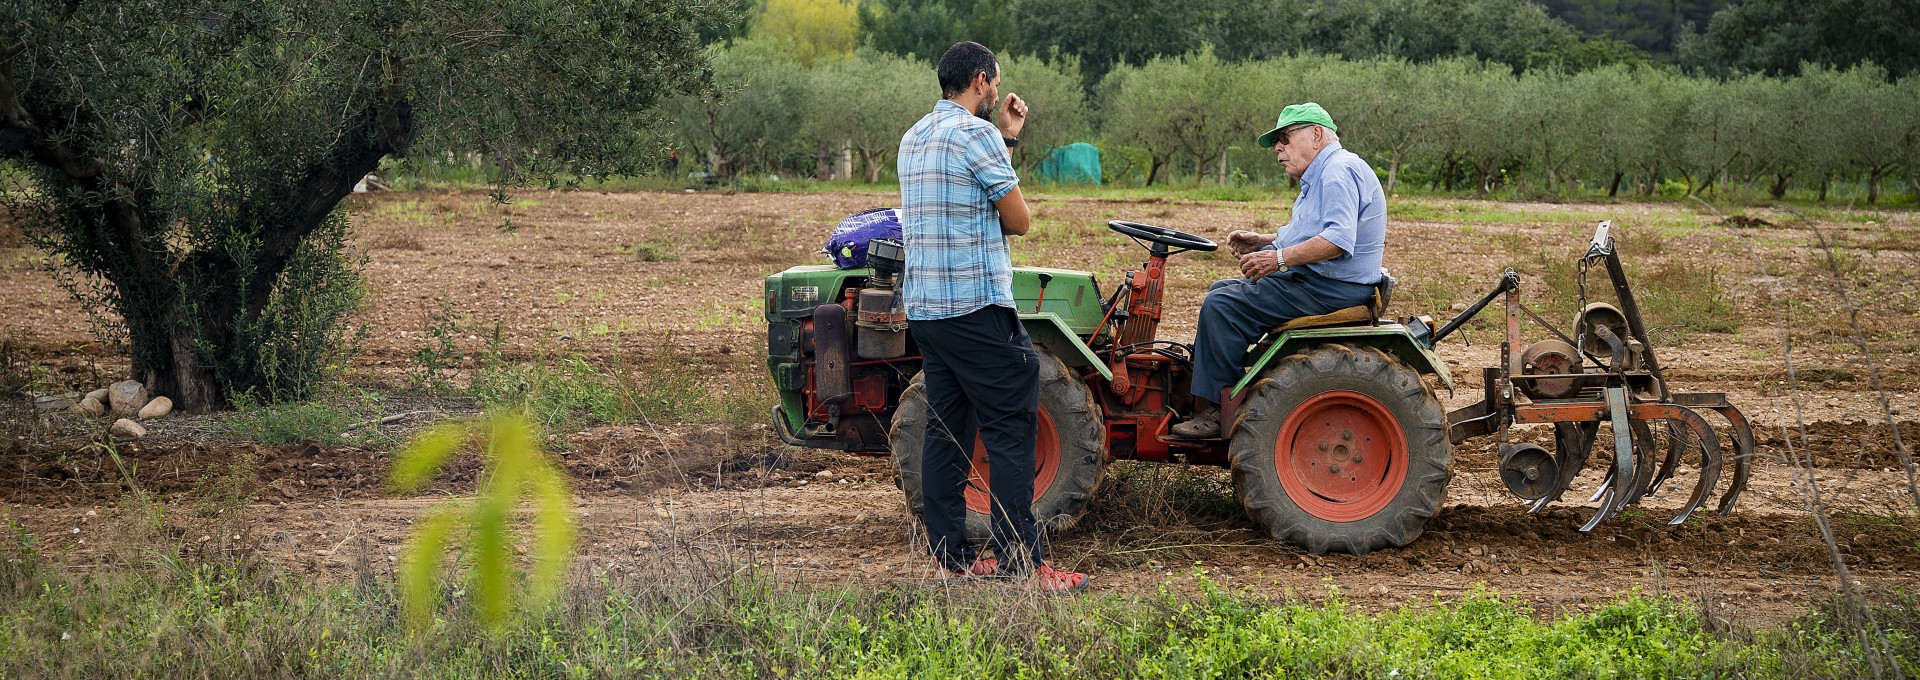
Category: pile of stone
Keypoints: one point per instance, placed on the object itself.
(127, 401)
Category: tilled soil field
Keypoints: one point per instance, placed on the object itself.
(657, 285)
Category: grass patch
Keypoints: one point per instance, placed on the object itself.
(326, 420)
(181, 617)
(561, 394)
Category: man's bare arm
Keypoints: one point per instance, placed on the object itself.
(1260, 263)
(1311, 250)
(1014, 217)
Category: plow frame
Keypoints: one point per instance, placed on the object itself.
(1625, 389)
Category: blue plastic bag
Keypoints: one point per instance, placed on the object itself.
(848, 245)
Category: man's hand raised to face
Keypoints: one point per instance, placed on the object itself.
(1013, 116)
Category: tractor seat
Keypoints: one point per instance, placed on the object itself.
(1350, 316)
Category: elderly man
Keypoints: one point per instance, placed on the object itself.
(1326, 258)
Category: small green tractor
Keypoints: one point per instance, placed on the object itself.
(1335, 437)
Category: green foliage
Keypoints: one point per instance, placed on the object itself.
(190, 184)
(1447, 125)
(571, 392)
(814, 29)
(926, 28)
(751, 115)
(864, 102)
(1107, 35)
(517, 470)
(282, 423)
(440, 353)
(1778, 37)
(1058, 104)
(221, 621)
(1656, 26)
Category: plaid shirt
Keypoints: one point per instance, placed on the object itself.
(953, 166)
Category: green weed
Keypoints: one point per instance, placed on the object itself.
(279, 424)
(724, 620)
(646, 252)
(515, 467)
(441, 351)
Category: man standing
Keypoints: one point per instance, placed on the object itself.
(960, 200)
(1326, 258)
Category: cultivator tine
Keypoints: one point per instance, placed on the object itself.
(1709, 464)
(1676, 447)
(1573, 442)
(1643, 462)
(1743, 445)
(1620, 482)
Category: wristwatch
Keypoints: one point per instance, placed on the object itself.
(1011, 141)
(1280, 256)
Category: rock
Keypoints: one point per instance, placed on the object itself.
(99, 395)
(126, 397)
(159, 407)
(90, 407)
(55, 402)
(128, 428)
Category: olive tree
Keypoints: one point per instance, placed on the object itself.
(1060, 114)
(754, 112)
(868, 100)
(187, 158)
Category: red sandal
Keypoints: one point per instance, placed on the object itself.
(1055, 581)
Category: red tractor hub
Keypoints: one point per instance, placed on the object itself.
(1046, 461)
(1341, 456)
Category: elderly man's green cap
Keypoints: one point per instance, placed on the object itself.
(1295, 115)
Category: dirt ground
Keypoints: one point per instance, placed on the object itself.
(671, 282)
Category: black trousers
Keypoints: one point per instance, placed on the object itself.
(982, 378)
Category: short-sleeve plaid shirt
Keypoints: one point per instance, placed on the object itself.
(953, 166)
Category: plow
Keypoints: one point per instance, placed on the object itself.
(1335, 433)
(1605, 372)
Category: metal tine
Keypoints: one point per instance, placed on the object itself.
(1676, 447)
(1643, 462)
(1599, 514)
(1709, 465)
(1606, 483)
(1743, 446)
(1623, 459)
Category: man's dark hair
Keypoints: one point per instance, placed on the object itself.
(961, 63)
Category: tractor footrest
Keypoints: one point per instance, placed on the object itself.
(1190, 443)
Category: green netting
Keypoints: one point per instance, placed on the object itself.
(1076, 163)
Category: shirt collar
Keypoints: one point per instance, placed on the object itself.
(1319, 163)
(948, 103)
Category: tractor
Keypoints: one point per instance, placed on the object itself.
(1335, 436)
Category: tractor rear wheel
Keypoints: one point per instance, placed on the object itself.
(1070, 453)
(1342, 448)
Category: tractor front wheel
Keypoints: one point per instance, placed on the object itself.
(1070, 452)
(1342, 448)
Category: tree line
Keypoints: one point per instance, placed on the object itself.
(1451, 124)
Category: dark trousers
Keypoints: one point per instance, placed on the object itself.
(982, 378)
(1236, 313)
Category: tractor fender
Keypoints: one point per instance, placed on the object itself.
(1392, 338)
(1047, 330)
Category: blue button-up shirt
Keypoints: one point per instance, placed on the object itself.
(1340, 199)
(953, 166)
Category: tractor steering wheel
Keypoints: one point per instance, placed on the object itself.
(1163, 237)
